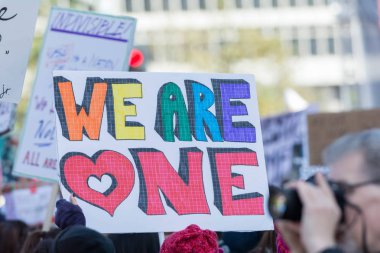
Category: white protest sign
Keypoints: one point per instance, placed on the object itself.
(7, 117)
(153, 152)
(27, 205)
(17, 21)
(73, 41)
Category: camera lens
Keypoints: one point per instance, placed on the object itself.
(285, 204)
(277, 203)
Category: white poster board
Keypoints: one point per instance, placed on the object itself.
(153, 152)
(28, 205)
(74, 41)
(17, 21)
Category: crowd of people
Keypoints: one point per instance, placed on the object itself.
(72, 236)
(325, 226)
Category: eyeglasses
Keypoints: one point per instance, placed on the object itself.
(347, 188)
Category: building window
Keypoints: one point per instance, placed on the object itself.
(165, 5)
(147, 5)
(275, 3)
(310, 2)
(295, 42)
(292, 3)
(257, 3)
(313, 46)
(331, 45)
(184, 5)
(346, 45)
(128, 5)
(295, 47)
(202, 4)
(239, 4)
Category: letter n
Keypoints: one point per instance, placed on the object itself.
(183, 191)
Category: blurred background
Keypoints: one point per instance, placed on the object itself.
(320, 52)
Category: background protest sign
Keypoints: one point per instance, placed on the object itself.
(324, 128)
(73, 40)
(17, 21)
(28, 205)
(151, 152)
(285, 138)
(7, 117)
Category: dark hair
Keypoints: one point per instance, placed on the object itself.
(79, 239)
(12, 236)
(131, 243)
(39, 241)
(267, 243)
(241, 242)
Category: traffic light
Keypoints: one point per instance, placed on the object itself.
(136, 62)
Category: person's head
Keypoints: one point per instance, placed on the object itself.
(130, 243)
(192, 239)
(79, 239)
(354, 159)
(12, 236)
(39, 241)
(242, 241)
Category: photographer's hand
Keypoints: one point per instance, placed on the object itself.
(320, 216)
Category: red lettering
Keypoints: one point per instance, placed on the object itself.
(32, 158)
(221, 161)
(183, 191)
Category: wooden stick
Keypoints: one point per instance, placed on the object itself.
(51, 207)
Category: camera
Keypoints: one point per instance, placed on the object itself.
(285, 204)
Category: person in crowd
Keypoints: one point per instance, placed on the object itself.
(69, 213)
(12, 236)
(79, 239)
(39, 241)
(221, 244)
(267, 243)
(241, 242)
(192, 239)
(133, 243)
(354, 162)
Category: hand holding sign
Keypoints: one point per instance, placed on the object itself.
(73, 200)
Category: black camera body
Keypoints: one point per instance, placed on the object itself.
(285, 204)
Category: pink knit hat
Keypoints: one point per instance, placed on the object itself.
(192, 239)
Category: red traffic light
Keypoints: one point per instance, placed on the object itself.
(137, 58)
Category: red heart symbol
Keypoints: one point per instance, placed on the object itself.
(77, 168)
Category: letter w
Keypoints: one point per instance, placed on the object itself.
(77, 120)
